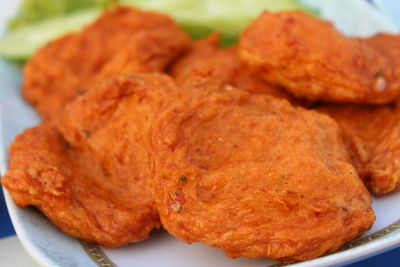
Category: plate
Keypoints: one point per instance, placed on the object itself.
(48, 246)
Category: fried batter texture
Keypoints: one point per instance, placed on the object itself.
(89, 172)
(372, 134)
(205, 58)
(121, 41)
(256, 177)
(312, 60)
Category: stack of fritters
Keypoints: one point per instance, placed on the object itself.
(309, 58)
(223, 149)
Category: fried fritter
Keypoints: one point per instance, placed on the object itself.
(199, 51)
(312, 60)
(372, 134)
(89, 172)
(256, 177)
(206, 59)
(121, 41)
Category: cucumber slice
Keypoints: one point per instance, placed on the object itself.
(33, 11)
(200, 17)
(22, 43)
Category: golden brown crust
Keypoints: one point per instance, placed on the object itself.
(256, 177)
(205, 58)
(121, 41)
(90, 173)
(67, 185)
(373, 137)
(312, 60)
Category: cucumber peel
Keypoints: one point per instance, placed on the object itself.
(32, 11)
(201, 17)
(24, 42)
(198, 17)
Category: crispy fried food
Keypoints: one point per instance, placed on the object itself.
(312, 60)
(89, 173)
(199, 51)
(256, 177)
(206, 59)
(372, 134)
(121, 41)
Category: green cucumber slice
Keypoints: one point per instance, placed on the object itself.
(25, 41)
(32, 11)
(198, 17)
(201, 17)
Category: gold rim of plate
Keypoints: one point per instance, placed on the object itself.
(98, 256)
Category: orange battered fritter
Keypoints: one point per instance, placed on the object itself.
(89, 174)
(205, 58)
(312, 60)
(121, 41)
(373, 137)
(256, 177)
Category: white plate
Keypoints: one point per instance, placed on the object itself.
(48, 246)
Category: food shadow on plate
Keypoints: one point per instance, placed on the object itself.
(163, 249)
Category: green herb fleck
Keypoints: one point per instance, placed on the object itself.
(81, 91)
(87, 132)
(283, 179)
(182, 179)
(378, 74)
(66, 145)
